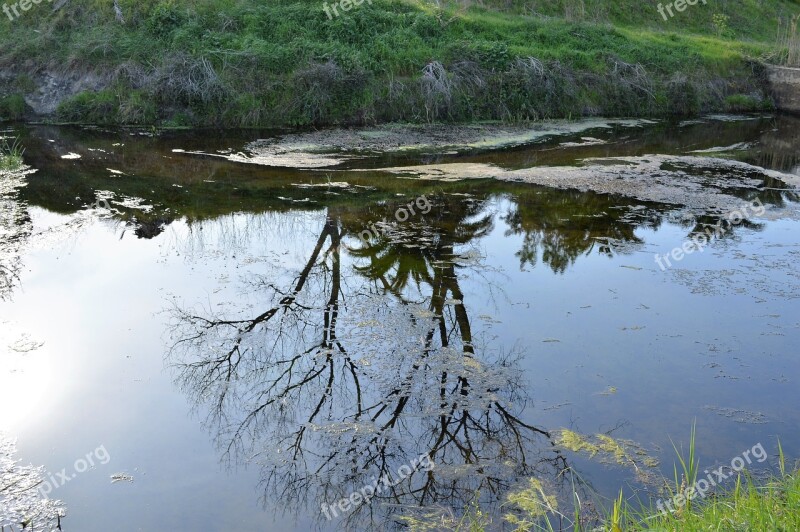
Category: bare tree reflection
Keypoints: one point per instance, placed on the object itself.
(339, 380)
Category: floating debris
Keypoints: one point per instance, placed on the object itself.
(533, 501)
(25, 345)
(738, 415)
(702, 185)
(611, 390)
(585, 141)
(327, 184)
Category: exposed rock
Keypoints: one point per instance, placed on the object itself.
(54, 87)
(785, 85)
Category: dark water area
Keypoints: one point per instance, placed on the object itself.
(227, 345)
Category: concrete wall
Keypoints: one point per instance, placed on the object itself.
(785, 85)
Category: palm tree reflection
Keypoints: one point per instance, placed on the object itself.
(560, 226)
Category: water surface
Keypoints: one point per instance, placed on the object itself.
(249, 343)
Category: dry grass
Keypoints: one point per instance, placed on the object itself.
(789, 40)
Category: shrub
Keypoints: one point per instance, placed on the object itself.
(324, 93)
(682, 97)
(12, 107)
(164, 19)
(138, 109)
(742, 103)
(90, 107)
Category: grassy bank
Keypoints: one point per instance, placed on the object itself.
(772, 506)
(691, 501)
(242, 63)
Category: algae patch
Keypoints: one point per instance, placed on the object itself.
(334, 147)
(609, 451)
(533, 502)
(701, 184)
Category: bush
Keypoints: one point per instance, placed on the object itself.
(165, 18)
(488, 54)
(12, 107)
(682, 97)
(324, 93)
(138, 109)
(742, 103)
(532, 90)
(10, 154)
(90, 107)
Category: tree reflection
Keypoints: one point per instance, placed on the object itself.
(340, 379)
(559, 226)
(334, 374)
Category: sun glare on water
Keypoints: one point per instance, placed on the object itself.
(25, 379)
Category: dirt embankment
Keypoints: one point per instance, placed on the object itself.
(46, 88)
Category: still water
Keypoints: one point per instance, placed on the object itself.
(192, 340)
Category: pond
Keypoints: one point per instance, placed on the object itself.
(240, 330)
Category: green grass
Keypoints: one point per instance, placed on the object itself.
(10, 154)
(772, 504)
(282, 62)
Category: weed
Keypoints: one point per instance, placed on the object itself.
(11, 154)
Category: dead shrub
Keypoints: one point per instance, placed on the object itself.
(182, 78)
(324, 92)
(683, 98)
(628, 89)
(437, 91)
(532, 90)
